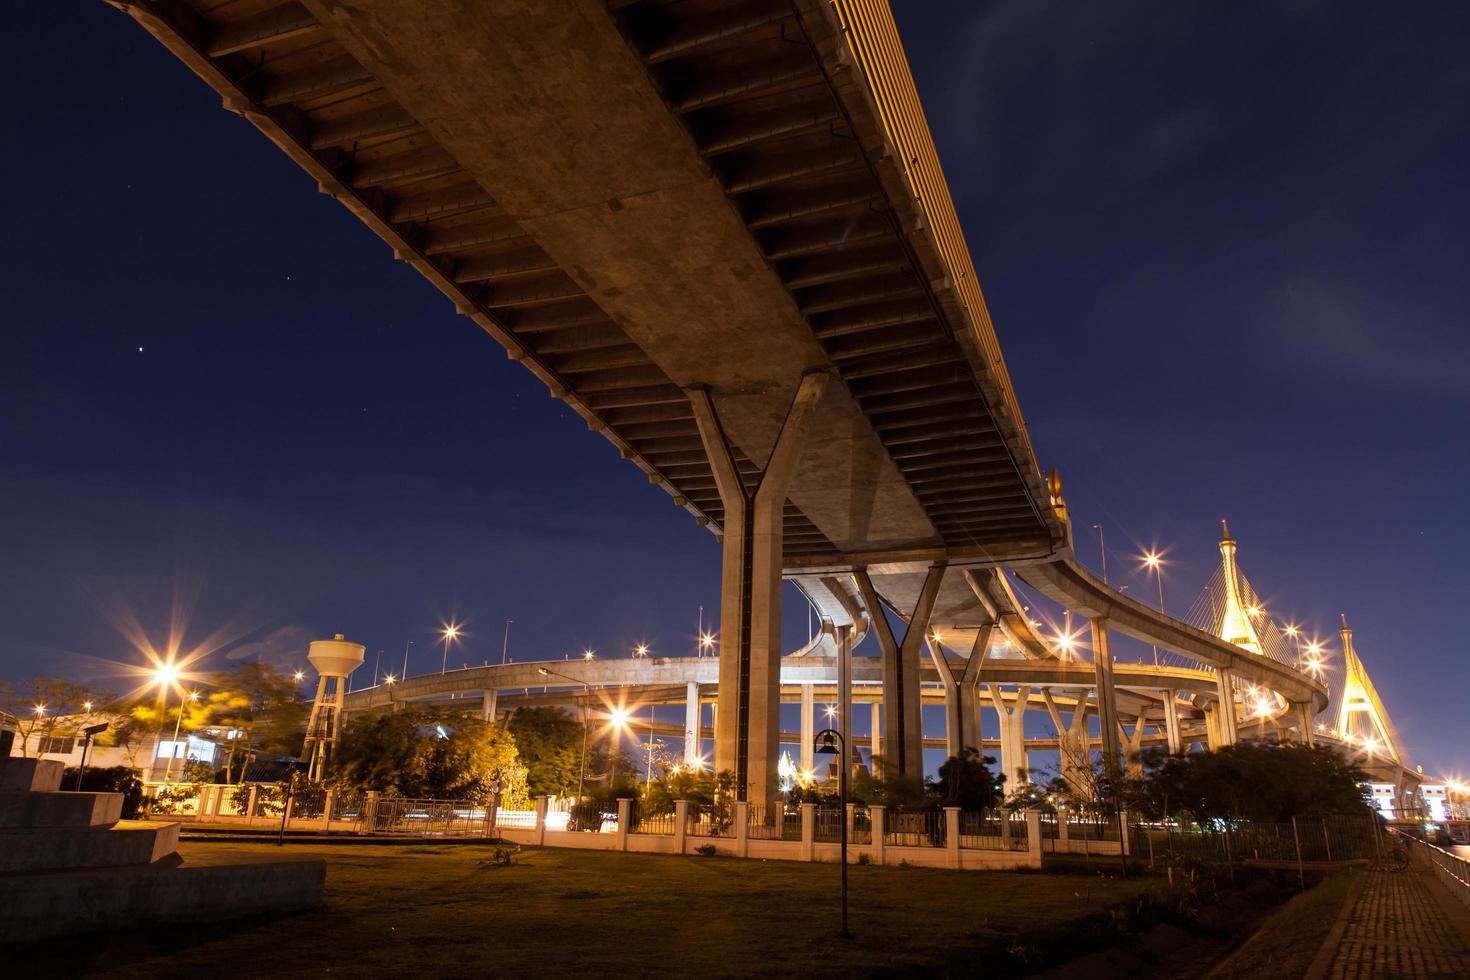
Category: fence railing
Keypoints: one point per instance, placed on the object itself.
(428, 818)
(1451, 869)
(652, 823)
(710, 820)
(1302, 840)
(919, 828)
(775, 823)
(994, 830)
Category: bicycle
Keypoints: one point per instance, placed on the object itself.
(1394, 858)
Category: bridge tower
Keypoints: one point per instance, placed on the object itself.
(334, 660)
(1360, 701)
(1235, 623)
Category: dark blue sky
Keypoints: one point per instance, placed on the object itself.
(1224, 245)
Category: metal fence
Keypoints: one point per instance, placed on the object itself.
(992, 830)
(710, 820)
(652, 823)
(1450, 868)
(775, 823)
(1299, 841)
(428, 818)
(916, 828)
(827, 824)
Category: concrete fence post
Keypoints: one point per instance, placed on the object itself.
(850, 818)
(681, 825)
(808, 831)
(625, 816)
(1005, 828)
(880, 850)
(742, 829)
(1062, 838)
(367, 822)
(541, 803)
(1033, 835)
(290, 806)
(250, 804)
(201, 803)
(328, 801)
(952, 835)
(1124, 843)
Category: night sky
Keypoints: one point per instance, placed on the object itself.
(1225, 247)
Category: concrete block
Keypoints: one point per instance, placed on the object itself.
(27, 809)
(135, 842)
(38, 775)
(64, 903)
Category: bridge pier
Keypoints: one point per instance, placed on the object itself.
(487, 704)
(691, 725)
(1171, 722)
(1107, 698)
(961, 707)
(808, 727)
(1072, 743)
(748, 722)
(1303, 712)
(1014, 762)
(875, 740)
(903, 719)
(1228, 733)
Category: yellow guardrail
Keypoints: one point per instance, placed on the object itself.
(873, 39)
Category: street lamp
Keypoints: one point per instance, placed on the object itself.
(505, 642)
(641, 650)
(450, 632)
(587, 693)
(707, 643)
(1154, 562)
(829, 741)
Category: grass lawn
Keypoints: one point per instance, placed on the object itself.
(1289, 939)
(430, 911)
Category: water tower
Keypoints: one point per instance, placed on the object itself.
(333, 659)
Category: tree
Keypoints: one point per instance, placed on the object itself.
(46, 706)
(549, 744)
(1252, 781)
(414, 754)
(966, 781)
(133, 723)
(256, 706)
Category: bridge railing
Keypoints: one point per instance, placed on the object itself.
(873, 39)
(1451, 869)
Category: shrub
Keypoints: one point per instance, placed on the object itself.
(705, 850)
(118, 779)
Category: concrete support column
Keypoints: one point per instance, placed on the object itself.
(1107, 698)
(903, 719)
(691, 724)
(876, 818)
(808, 831)
(1133, 750)
(952, 835)
(747, 728)
(625, 816)
(681, 826)
(808, 728)
(1303, 712)
(1014, 764)
(1073, 749)
(541, 803)
(875, 741)
(953, 724)
(742, 828)
(1171, 722)
(970, 730)
(327, 804)
(487, 705)
(1225, 689)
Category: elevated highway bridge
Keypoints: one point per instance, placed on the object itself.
(718, 230)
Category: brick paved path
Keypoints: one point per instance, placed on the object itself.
(1401, 925)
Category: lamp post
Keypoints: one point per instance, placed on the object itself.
(829, 741)
(178, 720)
(505, 642)
(87, 734)
(587, 693)
(1102, 550)
(1155, 564)
(450, 632)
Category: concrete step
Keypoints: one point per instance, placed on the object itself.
(64, 903)
(38, 775)
(21, 809)
(52, 848)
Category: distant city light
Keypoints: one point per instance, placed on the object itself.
(707, 641)
(40, 711)
(587, 654)
(298, 675)
(641, 650)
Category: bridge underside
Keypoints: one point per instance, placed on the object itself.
(719, 232)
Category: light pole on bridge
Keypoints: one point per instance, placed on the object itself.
(586, 694)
